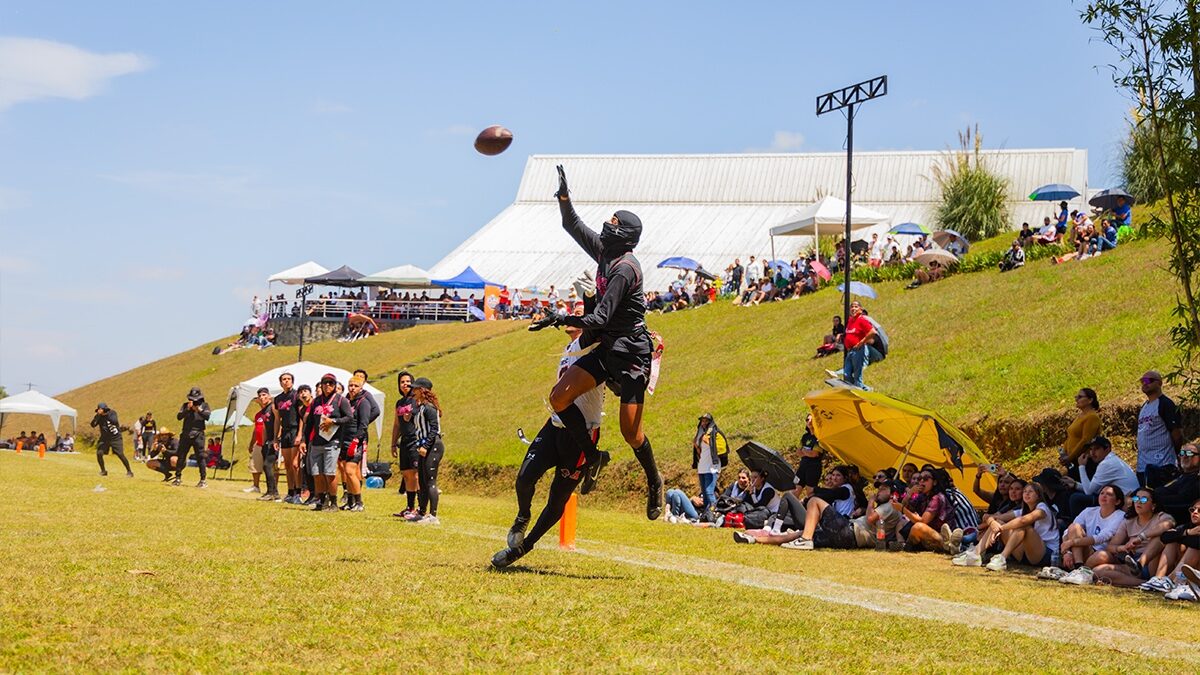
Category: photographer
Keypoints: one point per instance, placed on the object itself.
(194, 414)
(110, 438)
(163, 453)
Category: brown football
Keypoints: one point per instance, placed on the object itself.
(493, 140)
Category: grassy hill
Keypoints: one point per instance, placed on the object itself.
(986, 346)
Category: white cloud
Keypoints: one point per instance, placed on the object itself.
(783, 141)
(32, 69)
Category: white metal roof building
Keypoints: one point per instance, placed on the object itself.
(713, 208)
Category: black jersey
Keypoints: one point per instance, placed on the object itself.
(287, 409)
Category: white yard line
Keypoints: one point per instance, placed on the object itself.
(887, 602)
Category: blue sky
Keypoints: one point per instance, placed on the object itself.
(159, 160)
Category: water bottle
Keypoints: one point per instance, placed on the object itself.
(880, 536)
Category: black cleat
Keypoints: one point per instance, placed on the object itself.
(507, 557)
(516, 534)
(592, 474)
(654, 497)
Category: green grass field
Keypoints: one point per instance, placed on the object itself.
(985, 346)
(142, 576)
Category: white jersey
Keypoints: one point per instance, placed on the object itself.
(591, 403)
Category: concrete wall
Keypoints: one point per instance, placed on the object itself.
(287, 331)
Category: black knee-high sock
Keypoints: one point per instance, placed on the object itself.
(645, 457)
(576, 427)
(100, 459)
(525, 490)
(556, 502)
(121, 456)
(411, 496)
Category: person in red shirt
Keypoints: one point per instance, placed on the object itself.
(859, 336)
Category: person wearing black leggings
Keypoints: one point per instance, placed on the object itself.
(427, 414)
(110, 438)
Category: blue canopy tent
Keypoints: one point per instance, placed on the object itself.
(467, 278)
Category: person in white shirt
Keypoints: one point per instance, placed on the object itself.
(1110, 470)
(1089, 534)
(876, 251)
(1030, 537)
(753, 271)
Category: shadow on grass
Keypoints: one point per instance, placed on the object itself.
(521, 569)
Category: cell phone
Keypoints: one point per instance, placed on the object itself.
(992, 469)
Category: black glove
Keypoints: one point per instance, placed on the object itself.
(552, 319)
(562, 183)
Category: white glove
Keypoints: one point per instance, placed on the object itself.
(585, 286)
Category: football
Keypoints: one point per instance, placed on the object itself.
(493, 140)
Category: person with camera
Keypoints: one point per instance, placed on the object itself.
(163, 453)
(194, 414)
(110, 438)
(327, 420)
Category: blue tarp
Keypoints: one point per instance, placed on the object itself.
(467, 278)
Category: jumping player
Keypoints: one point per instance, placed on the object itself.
(623, 351)
(552, 449)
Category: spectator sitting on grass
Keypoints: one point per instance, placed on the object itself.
(997, 500)
(1136, 547)
(1110, 470)
(1089, 534)
(1178, 494)
(1006, 508)
(1014, 257)
(833, 339)
(927, 276)
(1058, 494)
(1030, 537)
(1181, 548)
(821, 525)
(1026, 236)
(1107, 236)
(1048, 234)
(926, 511)
(682, 508)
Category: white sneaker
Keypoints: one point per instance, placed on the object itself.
(1052, 573)
(968, 558)
(742, 538)
(1181, 592)
(428, 520)
(250, 489)
(997, 563)
(1080, 576)
(800, 544)
(1157, 585)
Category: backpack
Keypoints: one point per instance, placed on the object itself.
(881, 345)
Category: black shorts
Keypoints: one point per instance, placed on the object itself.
(359, 449)
(1019, 559)
(626, 374)
(808, 474)
(410, 459)
(287, 438)
(552, 448)
(114, 445)
(834, 531)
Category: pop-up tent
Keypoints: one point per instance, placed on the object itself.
(36, 403)
(242, 395)
(467, 278)
(404, 276)
(296, 275)
(343, 276)
(827, 216)
(873, 432)
(222, 419)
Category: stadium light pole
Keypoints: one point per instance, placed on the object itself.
(847, 98)
(303, 295)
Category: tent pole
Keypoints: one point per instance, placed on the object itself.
(772, 248)
(908, 446)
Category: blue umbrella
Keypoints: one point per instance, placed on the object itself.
(1108, 198)
(915, 229)
(780, 265)
(859, 288)
(680, 263)
(1054, 192)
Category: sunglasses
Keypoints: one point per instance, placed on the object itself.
(1148, 380)
(1194, 509)
(1140, 500)
(1188, 453)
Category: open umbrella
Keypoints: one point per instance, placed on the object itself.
(948, 238)
(758, 457)
(915, 229)
(680, 263)
(821, 270)
(1054, 192)
(874, 431)
(781, 266)
(1107, 199)
(859, 288)
(942, 257)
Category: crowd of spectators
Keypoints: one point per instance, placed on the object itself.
(32, 442)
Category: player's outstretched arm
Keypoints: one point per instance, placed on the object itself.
(587, 239)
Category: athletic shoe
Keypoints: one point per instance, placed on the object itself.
(593, 473)
(507, 557)
(800, 544)
(290, 499)
(516, 533)
(345, 505)
(129, 474)
(166, 479)
(654, 497)
(357, 508)
(202, 484)
(1080, 576)
(103, 473)
(1134, 566)
(403, 514)
(1157, 585)
(428, 520)
(997, 564)
(1191, 575)
(670, 518)
(1181, 592)
(414, 516)
(312, 499)
(835, 374)
(945, 532)
(175, 482)
(268, 497)
(1052, 573)
(252, 488)
(968, 558)
(955, 541)
(319, 505)
(742, 538)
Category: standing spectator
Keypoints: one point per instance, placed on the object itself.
(551, 295)
(735, 277)
(324, 425)
(1082, 429)
(110, 437)
(808, 473)
(149, 431)
(194, 414)
(859, 335)
(753, 272)
(354, 440)
(1159, 433)
(136, 433)
(710, 453)
(1060, 224)
(876, 251)
(286, 432)
(266, 442)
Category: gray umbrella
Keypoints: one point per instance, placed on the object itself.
(758, 457)
(1107, 199)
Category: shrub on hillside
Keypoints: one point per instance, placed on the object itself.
(974, 200)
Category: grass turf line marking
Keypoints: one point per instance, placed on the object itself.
(887, 602)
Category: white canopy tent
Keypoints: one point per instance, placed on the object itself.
(222, 419)
(304, 372)
(404, 276)
(827, 216)
(296, 275)
(36, 403)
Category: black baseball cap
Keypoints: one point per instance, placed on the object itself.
(1100, 441)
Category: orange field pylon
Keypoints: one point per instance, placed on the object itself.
(566, 526)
